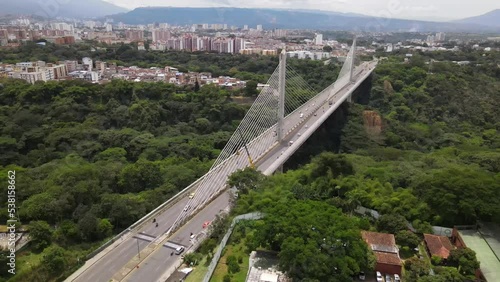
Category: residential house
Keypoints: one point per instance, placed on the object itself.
(385, 250)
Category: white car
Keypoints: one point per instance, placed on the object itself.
(186, 208)
(192, 236)
(379, 277)
(301, 115)
(179, 250)
(290, 143)
(396, 278)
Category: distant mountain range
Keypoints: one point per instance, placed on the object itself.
(489, 19)
(269, 18)
(292, 19)
(52, 9)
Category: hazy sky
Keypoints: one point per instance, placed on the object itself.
(408, 9)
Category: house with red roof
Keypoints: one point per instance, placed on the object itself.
(439, 246)
(385, 250)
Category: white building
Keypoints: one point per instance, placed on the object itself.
(87, 63)
(259, 27)
(318, 40)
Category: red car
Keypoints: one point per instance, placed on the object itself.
(206, 224)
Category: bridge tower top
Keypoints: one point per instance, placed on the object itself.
(353, 59)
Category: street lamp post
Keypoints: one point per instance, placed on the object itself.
(138, 250)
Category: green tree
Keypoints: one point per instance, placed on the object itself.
(245, 180)
(142, 175)
(54, 259)
(407, 238)
(314, 240)
(416, 268)
(196, 86)
(88, 226)
(251, 88)
(104, 228)
(327, 48)
(465, 259)
(40, 234)
(232, 264)
(331, 165)
(391, 223)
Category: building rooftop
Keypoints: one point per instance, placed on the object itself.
(438, 245)
(388, 258)
(379, 240)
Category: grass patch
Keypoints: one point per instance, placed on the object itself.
(406, 253)
(198, 272)
(237, 250)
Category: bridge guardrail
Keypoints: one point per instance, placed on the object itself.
(147, 217)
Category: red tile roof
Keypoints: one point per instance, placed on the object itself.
(438, 245)
(375, 238)
(388, 258)
(383, 246)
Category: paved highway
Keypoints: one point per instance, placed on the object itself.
(151, 270)
(105, 268)
(162, 259)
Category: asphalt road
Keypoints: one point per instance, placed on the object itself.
(158, 262)
(106, 267)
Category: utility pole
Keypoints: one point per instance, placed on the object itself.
(138, 250)
(281, 92)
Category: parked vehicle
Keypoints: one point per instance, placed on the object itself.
(362, 276)
(379, 277)
(396, 278)
(388, 278)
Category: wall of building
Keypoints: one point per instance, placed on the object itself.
(388, 268)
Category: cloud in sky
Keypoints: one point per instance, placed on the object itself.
(423, 9)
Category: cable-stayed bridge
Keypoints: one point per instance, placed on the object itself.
(285, 113)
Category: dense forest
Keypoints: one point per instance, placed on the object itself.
(92, 159)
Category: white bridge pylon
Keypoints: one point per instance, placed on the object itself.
(268, 120)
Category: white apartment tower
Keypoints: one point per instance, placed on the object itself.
(318, 40)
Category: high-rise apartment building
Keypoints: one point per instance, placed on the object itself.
(318, 40)
(160, 35)
(134, 35)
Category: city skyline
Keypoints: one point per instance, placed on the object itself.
(444, 10)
